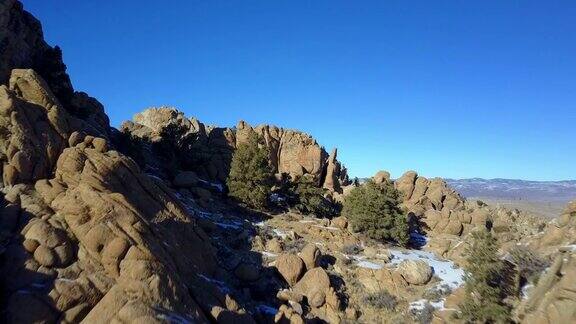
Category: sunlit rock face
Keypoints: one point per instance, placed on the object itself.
(84, 233)
(291, 152)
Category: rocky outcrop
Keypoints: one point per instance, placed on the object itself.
(291, 152)
(34, 128)
(23, 47)
(113, 243)
(560, 231)
(381, 176)
(336, 174)
(85, 235)
(553, 300)
(439, 209)
(421, 194)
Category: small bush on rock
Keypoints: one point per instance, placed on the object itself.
(374, 209)
(250, 179)
(381, 300)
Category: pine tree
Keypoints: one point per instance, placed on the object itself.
(250, 179)
(310, 198)
(374, 209)
(484, 284)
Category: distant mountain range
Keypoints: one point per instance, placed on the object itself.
(549, 191)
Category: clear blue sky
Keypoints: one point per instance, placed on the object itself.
(447, 88)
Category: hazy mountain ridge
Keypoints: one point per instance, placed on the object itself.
(515, 189)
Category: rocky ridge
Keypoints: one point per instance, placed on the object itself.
(89, 235)
(291, 152)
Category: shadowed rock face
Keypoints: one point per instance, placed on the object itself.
(23, 47)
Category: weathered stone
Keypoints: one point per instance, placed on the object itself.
(416, 272)
(289, 295)
(45, 256)
(333, 170)
(313, 280)
(291, 267)
(310, 254)
(100, 144)
(381, 177)
(30, 245)
(341, 222)
(274, 245)
(405, 184)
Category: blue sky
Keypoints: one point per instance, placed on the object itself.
(448, 88)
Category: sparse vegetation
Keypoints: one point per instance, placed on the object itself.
(351, 249)
(423, 315)
(250, 179)
(295, 245)
(485, 288)
(435, 294)
(381, 300)
(530, 265)
(374, 209)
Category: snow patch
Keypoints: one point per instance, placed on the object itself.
(331, 228)
(571, 247)
(446, 270)
(276, 198)
(280, 233)
(363, 263)
(259, 224)
(421, 304)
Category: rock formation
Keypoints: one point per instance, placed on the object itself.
(85, 235)
(99, 225)
(291, 152)
(553, 300)
(23, 47)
